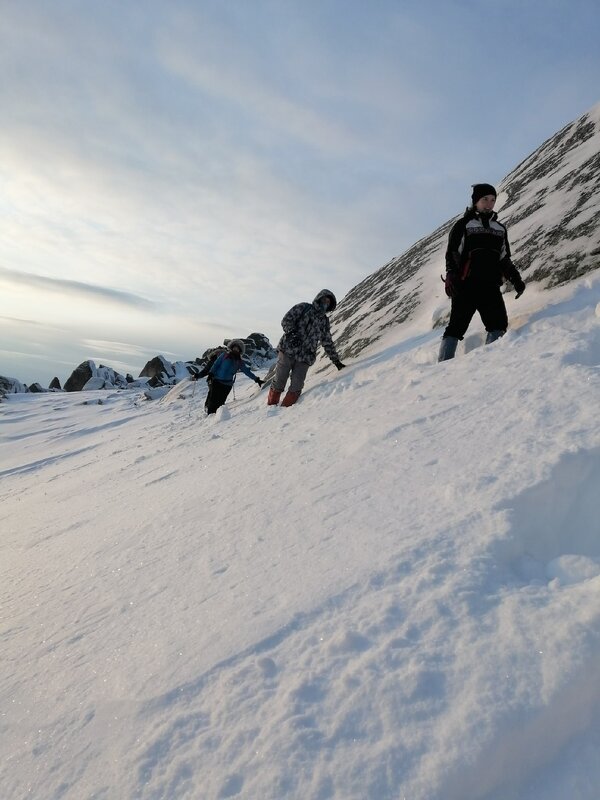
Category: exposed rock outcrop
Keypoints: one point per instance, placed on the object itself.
(161, 372)
(87, 377)
(11, 386)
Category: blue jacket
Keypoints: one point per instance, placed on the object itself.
(226, 367)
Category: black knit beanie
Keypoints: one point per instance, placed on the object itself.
(481, 189)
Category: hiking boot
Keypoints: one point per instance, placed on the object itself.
(493, 335)
(290, 399)
(447, 348)
(273, 398)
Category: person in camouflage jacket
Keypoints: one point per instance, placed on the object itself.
(305, 326)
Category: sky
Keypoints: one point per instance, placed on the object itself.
(175, 174)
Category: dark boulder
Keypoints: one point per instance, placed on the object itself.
(160, 370)
(79, 377)
(55, 384)
(263, 348)
(258, 350)
(88, 376)
(11, 386)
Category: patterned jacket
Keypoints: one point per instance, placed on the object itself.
(305, 326)
(478, 250)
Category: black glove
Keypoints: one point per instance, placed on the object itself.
(519, 285)
(337, 363)
(259, 381)
(451, 283)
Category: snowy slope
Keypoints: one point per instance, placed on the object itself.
(551, 205)
(390, 590)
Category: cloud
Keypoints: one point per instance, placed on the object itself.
(274, 113)
(121, 348)
(185, 165)
(19, 321)
(77, 289)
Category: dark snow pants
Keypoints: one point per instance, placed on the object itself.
(217, 394)
(286, 366)
(486, 298)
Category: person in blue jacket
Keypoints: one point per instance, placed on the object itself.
(221, 375)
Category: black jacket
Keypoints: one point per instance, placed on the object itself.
(478, 250)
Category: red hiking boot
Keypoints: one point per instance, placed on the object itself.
(290, 399)
(273, 398)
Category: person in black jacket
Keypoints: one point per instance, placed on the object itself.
(305, 326)
(477, 263)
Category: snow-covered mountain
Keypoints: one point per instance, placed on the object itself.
(551, 205)
(390, 590)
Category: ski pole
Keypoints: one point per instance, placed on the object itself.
(191, 398)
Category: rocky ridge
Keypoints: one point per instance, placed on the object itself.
(159, 371)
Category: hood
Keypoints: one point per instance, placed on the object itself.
(239, 343)
(330, 295)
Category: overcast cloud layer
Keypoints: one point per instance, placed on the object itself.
(173, 174)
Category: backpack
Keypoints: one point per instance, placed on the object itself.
(212, 357)
(210, 361)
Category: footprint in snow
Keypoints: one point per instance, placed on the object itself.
(268, 667)
(349, 642)
(232, 786)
